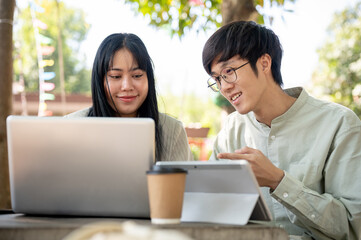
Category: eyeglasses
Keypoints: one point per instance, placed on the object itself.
(228, 74)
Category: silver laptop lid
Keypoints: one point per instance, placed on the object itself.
(80, 166)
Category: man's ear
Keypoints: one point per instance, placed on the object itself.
(266, 62)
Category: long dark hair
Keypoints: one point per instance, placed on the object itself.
(249, 40)
(104, 59)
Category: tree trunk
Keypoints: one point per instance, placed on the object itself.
(236, 10)
(6, 70)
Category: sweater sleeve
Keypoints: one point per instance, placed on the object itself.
(175, 141)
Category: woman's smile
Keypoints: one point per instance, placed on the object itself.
(127, 99)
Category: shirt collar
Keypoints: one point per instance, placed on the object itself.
(301, 97)
(296, 92)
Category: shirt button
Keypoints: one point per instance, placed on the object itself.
(273, 137)
(313, 216)
(285, 195)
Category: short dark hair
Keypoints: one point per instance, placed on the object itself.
(103, 62)
(247, 39)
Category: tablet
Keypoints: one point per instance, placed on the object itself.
(223, 191)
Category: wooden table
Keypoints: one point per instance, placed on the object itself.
(19, 226)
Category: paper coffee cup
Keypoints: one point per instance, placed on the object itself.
(165, 190)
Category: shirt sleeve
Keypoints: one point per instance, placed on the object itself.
(220, 144)
(224, 136)
(335, 213)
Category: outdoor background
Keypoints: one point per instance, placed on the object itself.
(321, 42)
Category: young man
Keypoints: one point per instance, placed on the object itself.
(305, 153)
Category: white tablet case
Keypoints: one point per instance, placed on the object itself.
(223, 192)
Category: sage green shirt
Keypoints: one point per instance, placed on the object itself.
(175, 142)
(318, 145)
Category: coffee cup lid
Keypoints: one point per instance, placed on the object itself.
(165, 170)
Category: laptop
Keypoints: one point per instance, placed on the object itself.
(80, 166)
(224, 192)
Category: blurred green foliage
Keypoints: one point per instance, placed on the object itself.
(338, 76)
(180, 16)
(75, 29)
(192, 110)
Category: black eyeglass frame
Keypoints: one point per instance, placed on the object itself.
(217, 79)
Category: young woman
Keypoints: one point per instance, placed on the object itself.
(123, 85)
